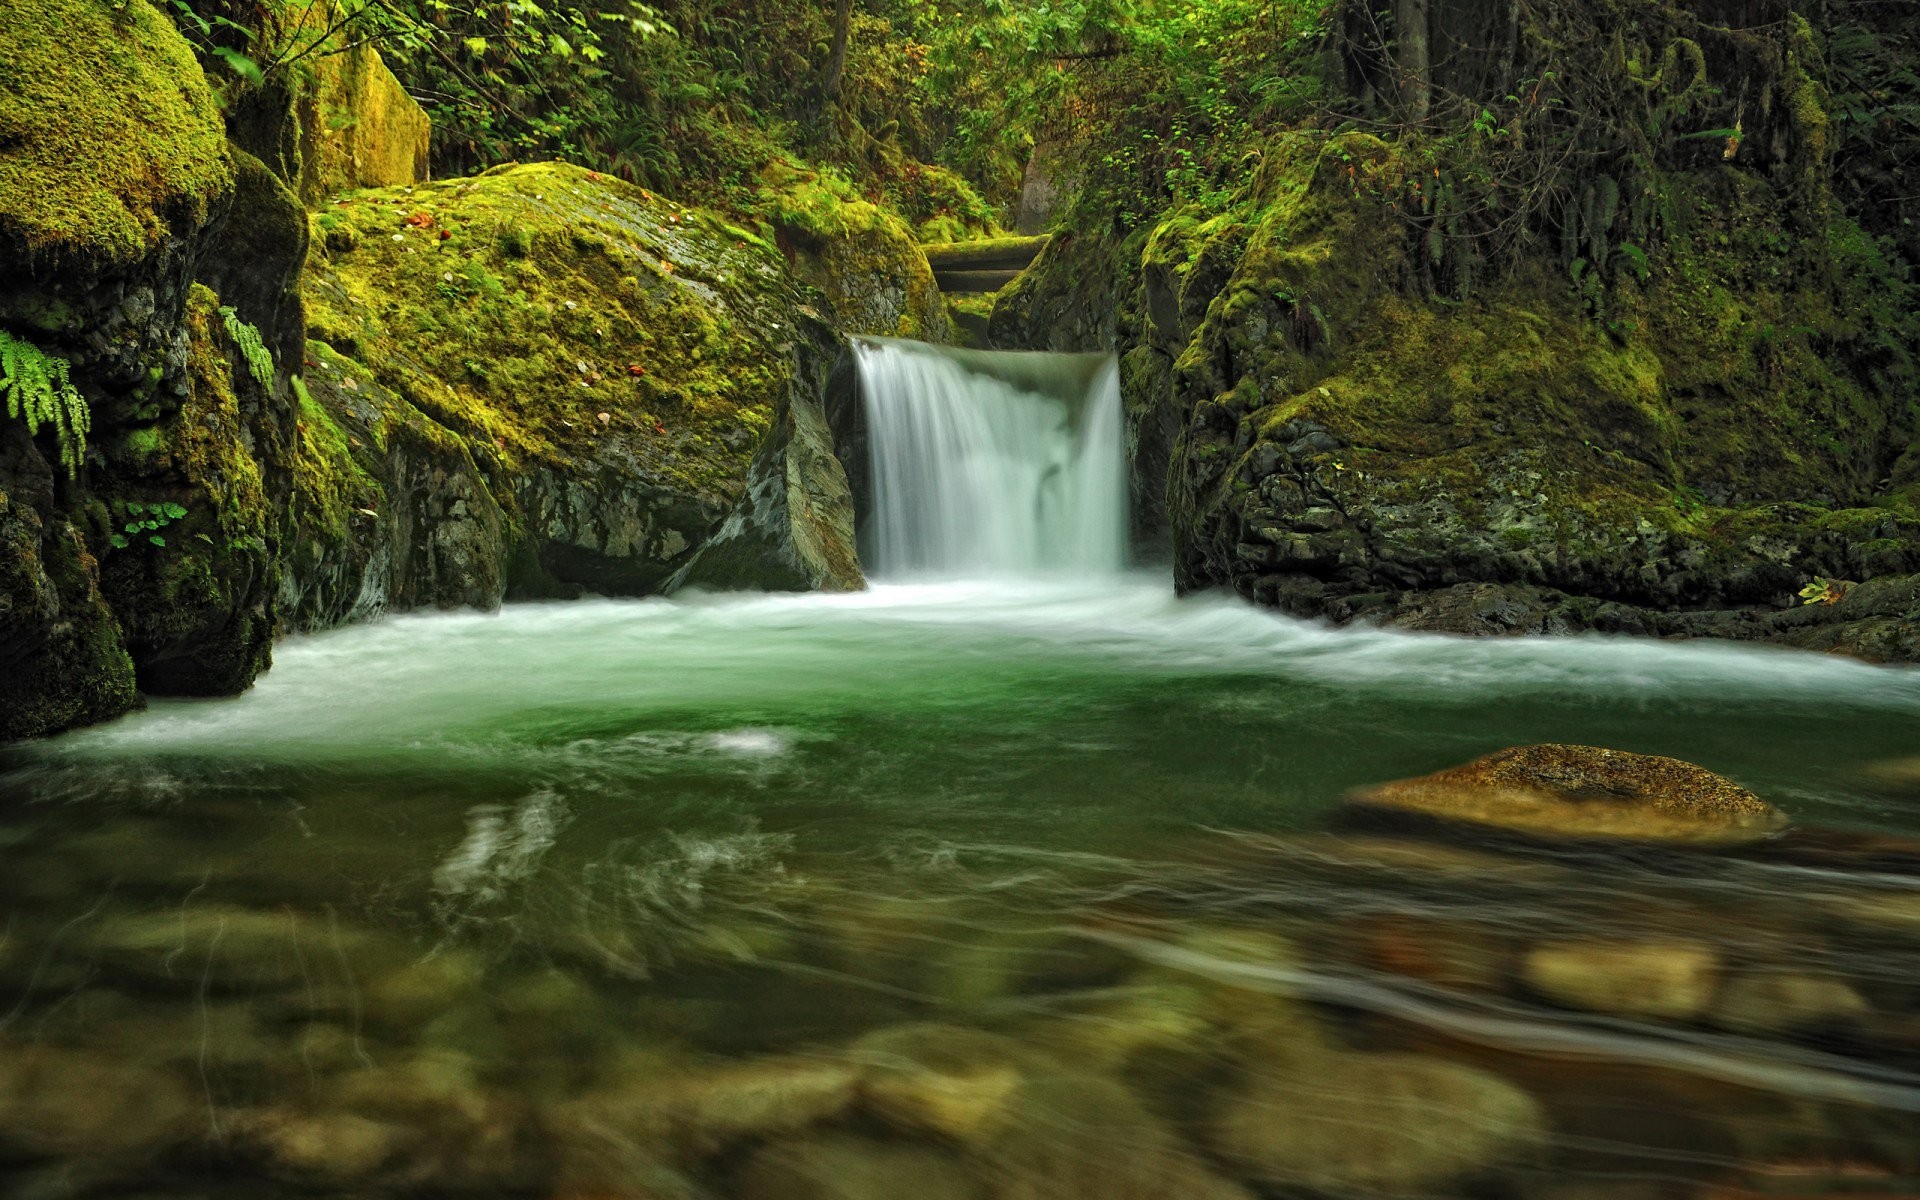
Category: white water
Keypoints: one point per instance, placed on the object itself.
(992, 464)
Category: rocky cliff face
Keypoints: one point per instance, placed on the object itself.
(160, 506)
(1737, 421)
(537, 382)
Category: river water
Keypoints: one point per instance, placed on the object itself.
(996, 880)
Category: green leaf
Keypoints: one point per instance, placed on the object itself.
(157, 540)
(240, 65)
(117, 542)
(476, 46)
(134, 506)
(173, 511)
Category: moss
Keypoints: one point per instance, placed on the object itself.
(515, 308)
(109, 138)
(196, 606)
(1725, 431)
(329, 484)
(862, 257)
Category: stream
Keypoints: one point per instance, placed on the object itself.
(1012, 876)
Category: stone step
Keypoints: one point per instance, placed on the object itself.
(986, 254)
(973, 281)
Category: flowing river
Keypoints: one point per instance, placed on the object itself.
(1013, 876)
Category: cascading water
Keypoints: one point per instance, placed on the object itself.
(992, 463)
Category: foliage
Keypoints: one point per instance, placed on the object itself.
(146, 520)
(1145, 102)
(259, 359)
(38, 391)
(1823, 591)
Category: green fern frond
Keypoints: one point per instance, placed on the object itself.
(39, 392)
(259, 358)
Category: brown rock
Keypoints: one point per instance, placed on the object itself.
(854, 1168)
(1775, 1002)
(1583, 792)
(1374, 1124)
(1667, 980)
(58, 1101)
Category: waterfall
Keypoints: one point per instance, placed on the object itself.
(992, 463)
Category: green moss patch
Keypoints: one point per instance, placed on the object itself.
(109, 138)
(547, 314)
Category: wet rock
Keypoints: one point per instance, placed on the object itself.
(333, 1147)
(1887, 912)
(1581, 792)
(1436, 952)
(1164, 1020)
(1076, 1136)
(421, 989)
(466, 1133)
(793, 530)
(854, 1168)
(55, 1100)
(690, 1108)
(1373, 1124)
(1667, 980)
(1901, 774)
(218, 945)
(1779, 1002)
(944, 1079)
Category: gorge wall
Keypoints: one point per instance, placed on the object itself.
(1323, 416)
(235, 418)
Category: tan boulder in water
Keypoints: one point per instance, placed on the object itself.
(1583, 792)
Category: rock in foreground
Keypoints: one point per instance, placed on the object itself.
(1582, 792)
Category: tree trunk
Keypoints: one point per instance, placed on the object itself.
(837, 57)
(1412, 59)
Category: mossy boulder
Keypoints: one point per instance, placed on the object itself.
(110, 142)
(358, 127)
(1553, 791)
(866, 262)
(1704, 436)
(567, 376)
(62, 662)
(116, 180)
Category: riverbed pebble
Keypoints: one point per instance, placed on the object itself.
(1666, 979)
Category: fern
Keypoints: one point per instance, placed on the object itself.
(39, 392)
(259, 358)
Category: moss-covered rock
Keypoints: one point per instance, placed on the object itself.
(536, 381)
(110, 143)
(1581, 792)
(1703, 436)
(115, 179)
(192, 504)
(61, 658)
(864, 260)
(358, 127)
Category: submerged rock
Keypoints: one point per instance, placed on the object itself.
(844, 1167)
(1673, 980)
(949, 1080)
(1373, 1124)
(1582, 792)
(55, 1100)
(684, 1109)
(1779, 1002)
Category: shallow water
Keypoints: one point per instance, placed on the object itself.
(1005, 888)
